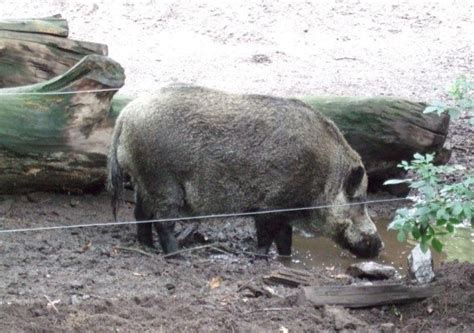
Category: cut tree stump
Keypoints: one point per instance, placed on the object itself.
(355, 296)
(36, 50)
(58, 142)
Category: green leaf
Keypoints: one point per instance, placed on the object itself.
(440, 222)
(429, 157)
(468, 210)
(428, 191)
(416, 232)
(450, 228)
(454, 112)
(404, 165)
(437, 245)
(407, 227)
(424, 246)
(436, 106)
(419, 157)
(396, 181)
(465, 104)
(441, 214)
(422, 211)
(396, 224)
(457, 208)
(454, 220)
(429, 231)
(401, 237)
(418, 184)
(431, 109)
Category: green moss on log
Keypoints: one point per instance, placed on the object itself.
(40, 123)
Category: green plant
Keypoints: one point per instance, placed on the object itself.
(438, 206)
(462, 94)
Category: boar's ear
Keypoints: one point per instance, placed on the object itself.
(353, 180)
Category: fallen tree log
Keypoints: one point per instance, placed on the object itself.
(57, 141)
(385, 131)
(36, 50)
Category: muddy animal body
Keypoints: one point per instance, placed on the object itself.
(192, 150)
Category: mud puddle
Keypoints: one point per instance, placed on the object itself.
(321, 252)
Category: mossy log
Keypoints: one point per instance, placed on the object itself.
(385, 131)
(56, 141)
(60, 142)
(36, 50)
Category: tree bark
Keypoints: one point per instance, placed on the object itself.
(35, 50)
(385, 131)
(58, 142)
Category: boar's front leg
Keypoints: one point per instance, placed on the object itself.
(283, 240)
(271, 228)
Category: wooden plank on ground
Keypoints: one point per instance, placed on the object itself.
(360, 296)
(290, 278)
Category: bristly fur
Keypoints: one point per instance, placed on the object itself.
(115, 175)
(192, 150)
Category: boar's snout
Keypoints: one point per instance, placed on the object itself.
(369, 246)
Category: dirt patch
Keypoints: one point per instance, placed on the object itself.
(411, 49)
(99, 280)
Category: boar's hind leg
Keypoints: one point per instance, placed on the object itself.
(144, 230)
(170, 198)
(270, 228)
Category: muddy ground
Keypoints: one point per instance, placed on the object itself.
(99, 280)
(96, 278)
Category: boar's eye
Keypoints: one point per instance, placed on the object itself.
(353, 180)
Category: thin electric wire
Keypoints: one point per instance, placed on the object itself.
(201, 217)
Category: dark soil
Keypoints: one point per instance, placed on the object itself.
(99, 280)
(412, 49)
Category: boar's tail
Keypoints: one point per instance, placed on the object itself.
(115, 174)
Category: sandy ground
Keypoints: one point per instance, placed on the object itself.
(412, 49)
(405, 48)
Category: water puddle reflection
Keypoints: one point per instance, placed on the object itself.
(323, 253)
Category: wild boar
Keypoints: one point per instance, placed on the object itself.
(192, 150)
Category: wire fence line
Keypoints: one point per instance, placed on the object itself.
(200, 217)
(72, 92)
